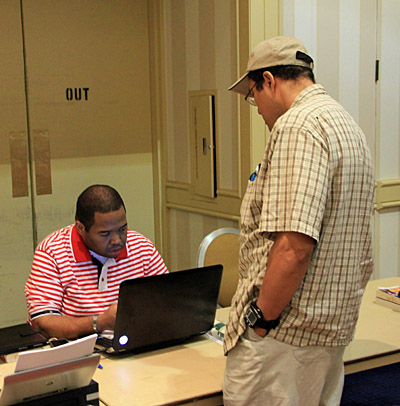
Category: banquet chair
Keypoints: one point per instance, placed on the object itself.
(222, 247)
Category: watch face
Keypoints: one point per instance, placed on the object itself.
(251, 317)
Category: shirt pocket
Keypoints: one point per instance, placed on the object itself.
(250, 209)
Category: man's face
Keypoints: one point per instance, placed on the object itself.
(265, 103)
(107, 236)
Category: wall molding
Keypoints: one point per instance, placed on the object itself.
(226, 205)
(208, 213)
(387, 194)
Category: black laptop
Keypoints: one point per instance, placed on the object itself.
(19, 338)
(163, 310)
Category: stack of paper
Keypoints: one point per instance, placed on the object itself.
(49, 356)
(388, 297)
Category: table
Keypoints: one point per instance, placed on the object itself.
(195, 371)
(377, 337)
(174, 376)
(192, 373)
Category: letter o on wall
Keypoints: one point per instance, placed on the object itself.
(69, 93)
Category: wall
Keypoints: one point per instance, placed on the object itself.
(46, 48)
(388, 141)
(346, 38)
(200, 54)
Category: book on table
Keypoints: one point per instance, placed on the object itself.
(388, 297)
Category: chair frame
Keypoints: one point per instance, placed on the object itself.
(201, 253)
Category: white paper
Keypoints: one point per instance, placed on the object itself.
(109, 334)
(49, 356)
(217, 333)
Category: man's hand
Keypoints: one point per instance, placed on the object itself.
(106, 320)
(73, 327)
(260, 331)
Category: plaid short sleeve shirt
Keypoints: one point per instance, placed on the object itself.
(316, 178)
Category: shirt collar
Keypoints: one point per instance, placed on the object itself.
(80, 251)
(308, 92)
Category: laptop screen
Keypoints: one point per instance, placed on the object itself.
(162, 310)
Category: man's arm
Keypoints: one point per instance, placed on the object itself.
(287, 265)
(73, 327)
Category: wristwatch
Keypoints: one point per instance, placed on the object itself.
(255, 318)
(95, 323)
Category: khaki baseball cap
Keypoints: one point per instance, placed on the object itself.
(274, 52)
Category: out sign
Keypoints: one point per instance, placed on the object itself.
(77, 93)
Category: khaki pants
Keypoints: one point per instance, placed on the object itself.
(264, 371)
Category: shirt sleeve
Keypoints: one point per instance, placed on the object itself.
(156, 264)
(296, 184)
(43, 290)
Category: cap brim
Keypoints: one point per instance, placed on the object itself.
(241, 86)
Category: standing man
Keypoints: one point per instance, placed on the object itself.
(74, 283)
(306, 249)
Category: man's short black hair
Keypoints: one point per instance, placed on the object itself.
(285, 72)
(96, 198)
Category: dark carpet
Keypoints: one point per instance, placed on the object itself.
(374, 387)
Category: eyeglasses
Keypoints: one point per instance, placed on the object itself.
(250, 96)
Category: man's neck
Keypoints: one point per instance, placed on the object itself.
(290, 89)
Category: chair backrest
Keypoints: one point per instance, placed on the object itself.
(222, 247)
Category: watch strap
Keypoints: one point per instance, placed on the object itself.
(260, 320)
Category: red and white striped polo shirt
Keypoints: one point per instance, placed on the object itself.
(64, 279)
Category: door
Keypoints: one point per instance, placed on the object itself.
(16, 242)
(89, 104)
(84, 68)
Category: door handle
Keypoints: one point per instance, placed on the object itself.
(19, 163)
(41, 156)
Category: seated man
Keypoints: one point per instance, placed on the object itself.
(73, 286)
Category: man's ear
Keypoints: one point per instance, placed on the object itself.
(269, 80)
(80, 227)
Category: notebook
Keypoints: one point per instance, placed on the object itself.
(163, 310)
(38, 382)
(19, 338)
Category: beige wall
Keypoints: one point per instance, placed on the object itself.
(201, 55)
(48, 46)
(346, 38)
(207, 45)
(194, 45)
